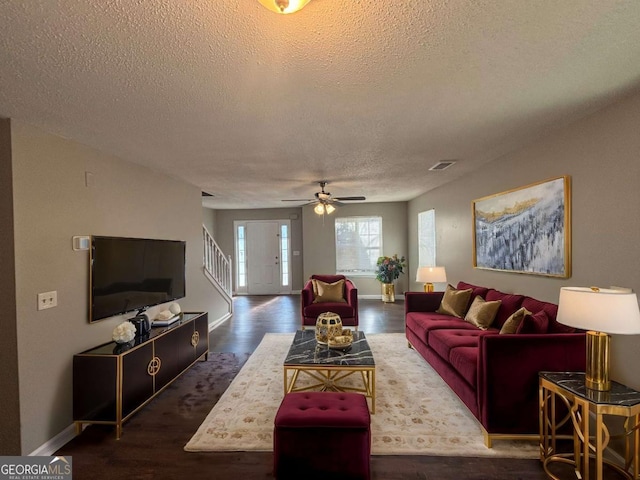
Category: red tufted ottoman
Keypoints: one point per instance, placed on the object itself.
(320, 433)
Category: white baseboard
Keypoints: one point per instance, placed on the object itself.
(245, 294)
(399, 298)
(51, 446)
(216, 323)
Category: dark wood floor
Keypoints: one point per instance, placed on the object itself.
(256, 315)
(152, 444)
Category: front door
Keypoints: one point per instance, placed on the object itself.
(263, 262)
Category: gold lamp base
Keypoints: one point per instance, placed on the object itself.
(428, 287)
(598, 361)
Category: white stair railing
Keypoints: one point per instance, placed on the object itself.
(217, 266)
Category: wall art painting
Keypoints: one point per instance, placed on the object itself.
(525, 230)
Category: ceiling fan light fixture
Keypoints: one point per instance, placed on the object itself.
(323, 203)
(284, 6)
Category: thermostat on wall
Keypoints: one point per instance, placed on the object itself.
(80, 243)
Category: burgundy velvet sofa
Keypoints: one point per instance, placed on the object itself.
(348, 310)
(495, 375)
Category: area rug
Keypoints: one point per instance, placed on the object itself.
(416, 412)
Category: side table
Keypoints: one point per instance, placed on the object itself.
(569, 389)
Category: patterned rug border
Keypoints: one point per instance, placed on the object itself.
(422, 426)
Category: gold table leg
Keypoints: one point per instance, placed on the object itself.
(636, 446)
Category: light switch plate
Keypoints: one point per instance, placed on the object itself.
(80, 243)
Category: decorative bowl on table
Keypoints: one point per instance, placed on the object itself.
(341, 342)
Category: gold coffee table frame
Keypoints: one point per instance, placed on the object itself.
(330, 377)
(329, 369)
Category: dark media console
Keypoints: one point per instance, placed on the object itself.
(111, 382)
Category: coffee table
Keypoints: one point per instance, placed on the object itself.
(329, 368)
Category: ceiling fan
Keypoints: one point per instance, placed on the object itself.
(324, 201)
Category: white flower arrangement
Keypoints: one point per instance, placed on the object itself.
(124, 333)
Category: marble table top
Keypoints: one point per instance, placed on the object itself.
(574, 382)
(306, 351)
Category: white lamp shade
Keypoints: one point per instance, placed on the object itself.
(600, 310)
(431, 275)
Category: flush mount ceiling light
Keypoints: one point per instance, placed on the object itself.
(284, 6)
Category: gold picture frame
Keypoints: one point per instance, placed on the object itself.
(525, 230)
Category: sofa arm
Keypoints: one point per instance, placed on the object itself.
(422, 302)
(508, 367)
(306, 294)
(351, 293)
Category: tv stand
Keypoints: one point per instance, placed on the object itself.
(111, 382)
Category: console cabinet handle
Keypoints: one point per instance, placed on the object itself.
(154, 366)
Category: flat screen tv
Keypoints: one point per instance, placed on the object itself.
(132, 274)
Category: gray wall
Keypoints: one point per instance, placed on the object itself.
(9, 396)
(601, 154)
(51, 204)
(209, 221)
(224, 233)
(316, 240)
(320, 242)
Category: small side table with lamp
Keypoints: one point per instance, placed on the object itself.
(431, 275)
(600, 312)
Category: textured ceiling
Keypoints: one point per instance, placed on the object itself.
(255, 107)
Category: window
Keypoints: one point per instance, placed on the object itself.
(427, 238)
(284, 254)
(241, 256)
(358, 245)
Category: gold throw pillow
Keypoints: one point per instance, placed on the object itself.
(513, 322)
(329, 292)
(482, 313)
(454, 302)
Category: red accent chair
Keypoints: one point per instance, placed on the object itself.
(322, 435)
(348, 311)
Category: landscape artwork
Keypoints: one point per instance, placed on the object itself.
(525, 230)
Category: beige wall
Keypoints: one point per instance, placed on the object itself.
(9, 397)
(320, 242)
(225, 236)
(51, 204)
(601, 154)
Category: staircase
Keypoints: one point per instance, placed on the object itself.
(217, 268)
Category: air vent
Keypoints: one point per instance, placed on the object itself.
(206, 194)
(442, 165)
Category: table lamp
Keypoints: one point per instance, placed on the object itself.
(600, 311)
(430, 275)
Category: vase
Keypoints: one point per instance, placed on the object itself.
(388, 293)
(122, 347)
(328, 325)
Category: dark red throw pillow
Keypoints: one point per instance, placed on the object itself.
(536, 323)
